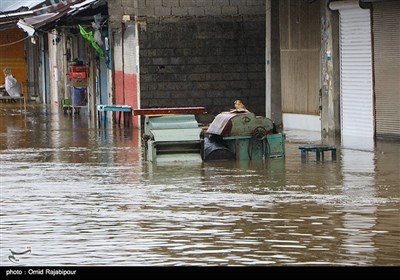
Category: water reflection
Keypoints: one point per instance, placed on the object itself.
(357, 142)
(359, 218)
(78, 195)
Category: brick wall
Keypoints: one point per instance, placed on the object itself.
(199, 52)
(166, 8)
(198, 7)
(203, 61)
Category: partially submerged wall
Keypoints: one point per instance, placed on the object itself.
(198, 52)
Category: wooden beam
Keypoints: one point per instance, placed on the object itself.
(169, 111)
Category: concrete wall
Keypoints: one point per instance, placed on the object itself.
(125, 67)
(330, 88)
(198, 52)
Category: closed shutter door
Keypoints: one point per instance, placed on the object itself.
(356, 96)
(386, 32)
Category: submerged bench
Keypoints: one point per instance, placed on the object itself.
(21, 100)
(319, 150)
(121, 109)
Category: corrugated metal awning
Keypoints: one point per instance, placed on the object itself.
(15, 5)
(44, 12)
(40, 18)
(49, 20)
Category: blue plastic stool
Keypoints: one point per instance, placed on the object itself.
(319, 150)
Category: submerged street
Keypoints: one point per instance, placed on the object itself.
(78, 195)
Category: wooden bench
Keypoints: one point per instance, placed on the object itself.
(21, 99)
(319, 150)
(121, 109)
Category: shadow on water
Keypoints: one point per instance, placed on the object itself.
(78, 195)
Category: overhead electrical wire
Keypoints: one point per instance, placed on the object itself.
(12, 43)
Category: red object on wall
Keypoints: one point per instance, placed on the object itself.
(78, 75)
(78, 68)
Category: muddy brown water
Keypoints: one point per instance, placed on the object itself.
(78, 195)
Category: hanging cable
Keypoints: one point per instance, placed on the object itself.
(9, 44)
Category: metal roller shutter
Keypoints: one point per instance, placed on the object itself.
(356, 89)
(386, 32)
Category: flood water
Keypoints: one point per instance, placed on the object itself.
(77, 195)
